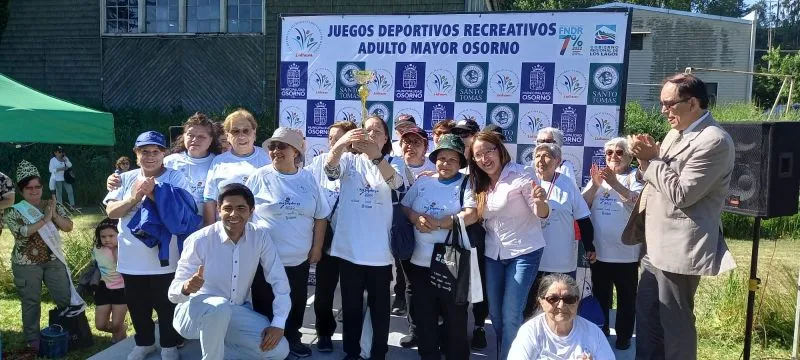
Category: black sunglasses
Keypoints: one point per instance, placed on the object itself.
(554, 299)
(612, 152)
(277, 145)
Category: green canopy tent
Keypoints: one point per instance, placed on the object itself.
(29, 116)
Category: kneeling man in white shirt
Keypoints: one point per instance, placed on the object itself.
(212, 284)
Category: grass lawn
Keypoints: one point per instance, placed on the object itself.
(720, 302)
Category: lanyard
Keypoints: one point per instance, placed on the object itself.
(552, 185)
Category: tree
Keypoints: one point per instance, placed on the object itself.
(729, 8)
(766, 88)
(582, 4)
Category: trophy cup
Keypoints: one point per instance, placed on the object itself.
(362, 78)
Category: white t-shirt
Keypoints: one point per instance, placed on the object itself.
(397, 150)
(56, 168)
(609, 217)
(364, 214)
(535, 341)
(228, 168)
(430, 196)
(407, 170)
(134, 257)
(566, 205)
(330, 188)
(196, 170)
(287, 205)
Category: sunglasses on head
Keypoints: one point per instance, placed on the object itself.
(545, 141)
(554, 299)
(277, 145)
(612, 152)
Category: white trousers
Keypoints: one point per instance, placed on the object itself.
(226, 331)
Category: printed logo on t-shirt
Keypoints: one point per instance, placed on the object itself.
(288, 208)
(433, 209)
(366, 196)
(547, 355)
(606, 204)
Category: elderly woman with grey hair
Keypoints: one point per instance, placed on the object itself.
(558, 332)
(567, 206)
(551, 135)
(611, 195)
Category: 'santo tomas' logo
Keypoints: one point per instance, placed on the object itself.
(605, 34)
(380, 109)
(347, 74)
(605, 77)
(440, 82)
(471, 85)
(504, 116)
(346, 84)
(304, 39)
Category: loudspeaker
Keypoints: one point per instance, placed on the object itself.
(764, 182)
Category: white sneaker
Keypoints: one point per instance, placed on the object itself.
(141, 352)
(170, 353)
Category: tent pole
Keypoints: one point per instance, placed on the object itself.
(753, 285)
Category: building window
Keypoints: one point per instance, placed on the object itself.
(162, 16)
(637, 41)
(244, 16)
(202, 16)
(711, 87)
(122, 16)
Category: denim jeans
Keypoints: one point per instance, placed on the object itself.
(507, 285)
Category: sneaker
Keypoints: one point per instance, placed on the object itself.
(408, 341)
(399, 306)
(300, 350)
(324, 344)
(478, 339)
(623, 344)
(141, 352)
(170, 353)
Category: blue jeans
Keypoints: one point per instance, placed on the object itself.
(507, 285)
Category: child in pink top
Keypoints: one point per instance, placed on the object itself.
(109, 297)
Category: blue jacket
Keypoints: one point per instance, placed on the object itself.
(173, 212)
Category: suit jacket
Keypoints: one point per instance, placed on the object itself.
(678, 214)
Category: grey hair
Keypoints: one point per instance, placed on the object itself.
(618, 142)
(551, 279)
(556, 134)
(553, 149)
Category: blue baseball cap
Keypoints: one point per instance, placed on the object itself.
(150, 138)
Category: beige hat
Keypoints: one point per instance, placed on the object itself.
(289, 136)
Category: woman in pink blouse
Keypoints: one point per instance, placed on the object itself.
(513, 207)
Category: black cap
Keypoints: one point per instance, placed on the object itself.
(495, 129)
(466, 125)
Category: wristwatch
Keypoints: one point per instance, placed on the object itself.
(377, 161)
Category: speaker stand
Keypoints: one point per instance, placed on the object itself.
(796, 322)
(753, 285)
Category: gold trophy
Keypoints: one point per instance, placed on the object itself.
(362, 78)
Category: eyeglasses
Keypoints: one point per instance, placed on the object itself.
(463, 135)
(671, 104)
(545, 141)
(612, 152)
(481, 156)
(414, 142)
(237, 132)
(277, 145)
(35, 187)
(554, 299)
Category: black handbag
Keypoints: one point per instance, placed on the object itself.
(476, 232)
(74, 321)
(401, 235)
(89, 279)
(69, 177)
(450, 266)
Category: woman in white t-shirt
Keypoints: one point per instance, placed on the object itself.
(146, 280)
(611, 194)
(566, 207)
(236, 165)
(290, 204)
(551, 135)
(513, 207)
(327, 270)
(558, 332)
(430, 204)
(193, 152)
(361, 232)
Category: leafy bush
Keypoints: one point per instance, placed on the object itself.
(639, 120)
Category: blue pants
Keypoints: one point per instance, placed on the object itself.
(507, 285)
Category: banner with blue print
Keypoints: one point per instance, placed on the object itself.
(519, 71)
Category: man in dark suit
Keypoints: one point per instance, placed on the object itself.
(678, 218)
